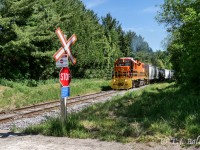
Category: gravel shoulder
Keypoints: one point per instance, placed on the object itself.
(40, 142)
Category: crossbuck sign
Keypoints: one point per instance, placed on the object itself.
(65, 46)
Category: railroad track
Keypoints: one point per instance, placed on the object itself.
(40, 108)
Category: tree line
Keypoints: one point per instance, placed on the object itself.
(28, 40)
(182, 19)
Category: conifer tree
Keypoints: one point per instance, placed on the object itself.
(26, 38)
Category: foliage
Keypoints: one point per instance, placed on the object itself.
(28, 40)
(144, 53)
(161, 59)
(26, 35)
(182, 18)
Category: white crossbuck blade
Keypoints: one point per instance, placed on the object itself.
(65, 46)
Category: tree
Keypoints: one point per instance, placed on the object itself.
(182, 19)
(26, 35)
(161, 59)
(29, 41)
(127, 48)
(112, 48)
(141, 49)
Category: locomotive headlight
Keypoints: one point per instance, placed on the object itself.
(125, 80)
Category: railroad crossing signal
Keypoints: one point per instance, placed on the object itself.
(65, 46)
(64, 76)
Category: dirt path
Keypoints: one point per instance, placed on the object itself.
(10, 141)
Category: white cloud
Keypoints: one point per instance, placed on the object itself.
(94, 3)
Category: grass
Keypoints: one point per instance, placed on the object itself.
(150, 114)
(27, 92)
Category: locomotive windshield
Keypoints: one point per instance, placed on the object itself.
(122, 62)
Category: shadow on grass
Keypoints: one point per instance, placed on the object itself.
(106, 88)
(167, 110)
(170, 111)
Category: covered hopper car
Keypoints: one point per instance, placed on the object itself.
(130, 73)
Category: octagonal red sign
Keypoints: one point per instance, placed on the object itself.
(65, 76)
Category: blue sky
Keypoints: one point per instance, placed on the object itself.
(134, 15)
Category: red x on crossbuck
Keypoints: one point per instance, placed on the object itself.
(65, 46)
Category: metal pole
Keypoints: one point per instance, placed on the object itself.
(65, 106)
(63, 109)
(63, 102)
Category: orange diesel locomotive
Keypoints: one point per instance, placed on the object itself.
(128, 73)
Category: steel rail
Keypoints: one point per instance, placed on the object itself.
(46, 103)
(37, 109)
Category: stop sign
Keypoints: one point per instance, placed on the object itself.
(65, 76)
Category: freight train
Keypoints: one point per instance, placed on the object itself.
(129, 73)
